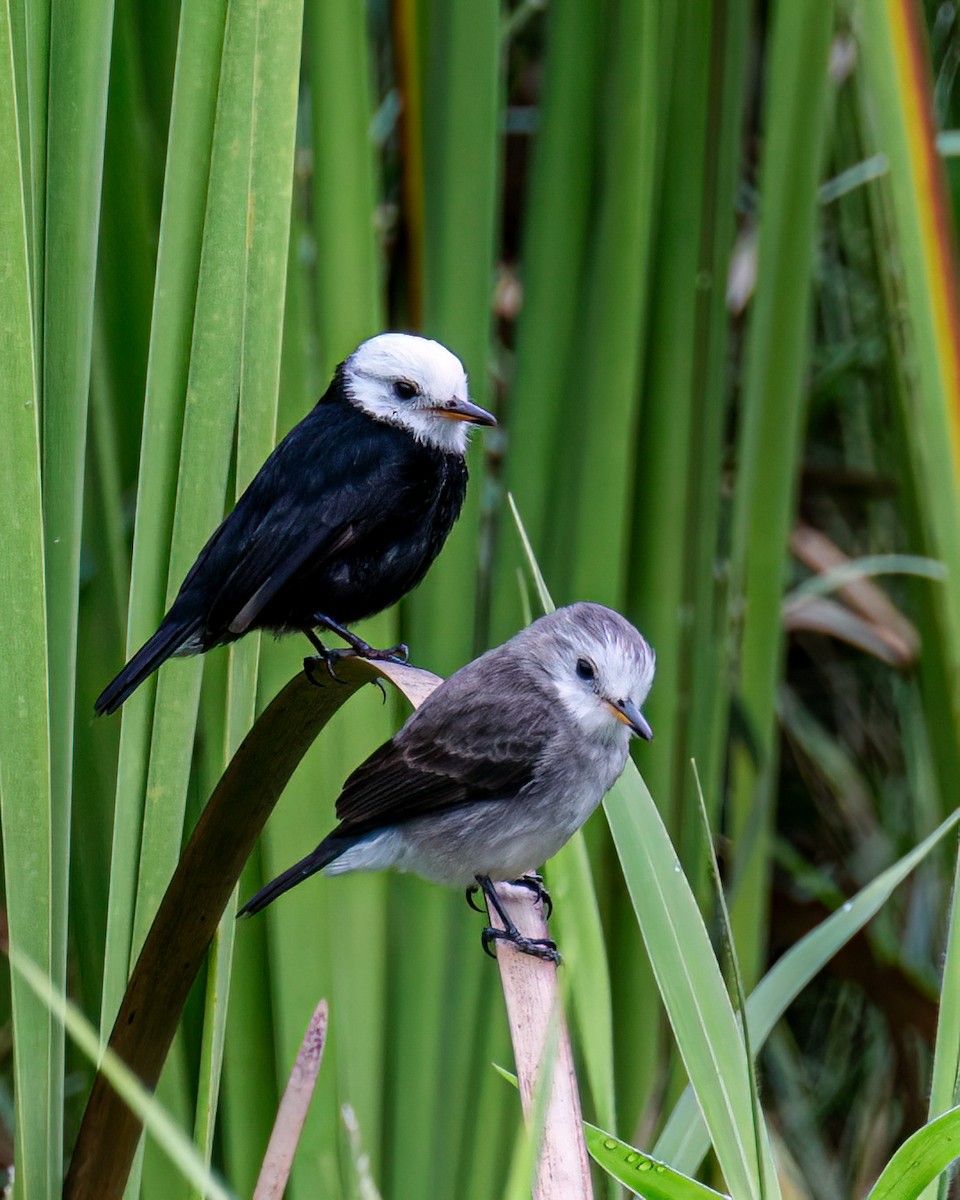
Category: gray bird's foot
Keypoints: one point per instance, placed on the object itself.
(470, 893)
(534, 883)
(537, 947)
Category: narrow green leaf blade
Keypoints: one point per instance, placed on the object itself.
(688, 976)
(174, 1141)
(684, 1141)
(648, 1177)
(24, 730)
(920, 1159)
(276, 70)
(178, 263)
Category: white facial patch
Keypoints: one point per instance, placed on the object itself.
(619, 675)
(378, 365)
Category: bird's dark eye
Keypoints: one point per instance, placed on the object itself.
(404, 389)
(585, 669)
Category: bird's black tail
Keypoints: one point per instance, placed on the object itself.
(330, 848)
(166, 641)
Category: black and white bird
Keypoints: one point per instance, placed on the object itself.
(344, 517)
(499, 766)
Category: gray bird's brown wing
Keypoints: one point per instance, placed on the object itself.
(473, 740)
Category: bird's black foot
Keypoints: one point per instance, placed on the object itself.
(325, 658)
(395, 654)
(470, 893)
(537, 947)
(534, 883)
(357, 647)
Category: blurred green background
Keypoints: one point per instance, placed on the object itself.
(698, 256)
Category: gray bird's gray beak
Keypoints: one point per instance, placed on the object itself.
(627, 712)
(464, 410)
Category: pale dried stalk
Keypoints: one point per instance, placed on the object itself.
(539, 1034)
(293, 1110)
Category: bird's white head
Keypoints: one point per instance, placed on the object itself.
(417, 384)
(601, 667)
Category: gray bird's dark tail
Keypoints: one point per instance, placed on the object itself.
(330, 848)
(168, 639)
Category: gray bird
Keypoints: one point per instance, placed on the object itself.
(498, 767)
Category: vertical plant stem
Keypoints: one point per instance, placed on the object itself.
(25, 784)
(80, 38)
(208, 427)
(178, 263)
(461, 156)
(897, 104)
(777, 353)
(923, 294)
(595, 475)
(541, 1044)
(275, 90)
(30, 47)
(553, 261)
(349, 291)
(704, 695)
(666, 420)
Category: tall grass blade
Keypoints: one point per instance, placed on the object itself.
(80, 41)
(30, 38)
(595, 474)
(173, 1140)
(276, 76)
(208, 429)
(349, 276)
(690, 983)
(643, 1175)
(921, 1158)
(684, 1141)
(462, 114)
(178, 262)
(772, 419)
(24, 730)
(553, 259)
(913, 205)
(194, 903)
(703, 682)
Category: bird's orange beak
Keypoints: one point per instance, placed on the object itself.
(464, 410)
(627, 712)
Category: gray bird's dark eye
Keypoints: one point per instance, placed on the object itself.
(404, 389)
(585, 669)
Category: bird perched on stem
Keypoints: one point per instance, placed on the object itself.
(344, 517)
(498, 767)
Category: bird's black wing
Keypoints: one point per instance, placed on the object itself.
(321, 491)
(460, 748)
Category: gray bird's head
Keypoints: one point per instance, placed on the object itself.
(417, 384)
(600, 666)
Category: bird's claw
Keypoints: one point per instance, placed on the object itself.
(399, 654)
(470, 893)
(313, 661)
(534, 883)
(543, 948)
